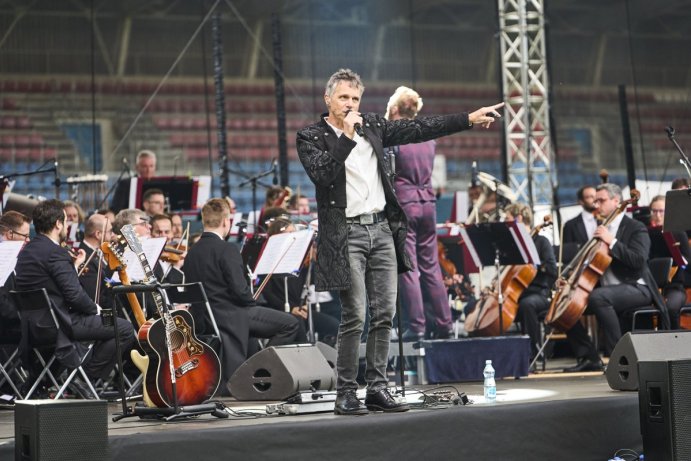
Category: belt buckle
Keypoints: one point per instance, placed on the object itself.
(366, 219)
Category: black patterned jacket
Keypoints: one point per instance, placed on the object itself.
(323, 154)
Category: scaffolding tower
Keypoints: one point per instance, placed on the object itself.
(530, 156)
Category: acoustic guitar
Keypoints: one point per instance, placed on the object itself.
(196, 367)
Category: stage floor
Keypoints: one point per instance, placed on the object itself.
(544, 416)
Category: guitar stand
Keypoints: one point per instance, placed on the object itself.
(216, 409)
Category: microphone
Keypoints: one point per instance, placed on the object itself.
(274, 168)
(126, 165)
(669, 130)
(56, 182)
(358, 127)
(473, 174)
(175, 165)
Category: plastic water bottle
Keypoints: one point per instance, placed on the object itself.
(490, 384)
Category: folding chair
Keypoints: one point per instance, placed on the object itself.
(661, 269)
(194, 295)
(10, 364)
(37, 314)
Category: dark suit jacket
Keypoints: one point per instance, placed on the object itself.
(574, 238)
(547, 270)
(323, 155)
(218, 265)
(88, 278)
(630, 261)
(121, 196)
(44, 264)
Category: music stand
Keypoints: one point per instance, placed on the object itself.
(500, 244)
(166, 413)
(677, 206)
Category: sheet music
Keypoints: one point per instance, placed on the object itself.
(470, 247)
(527, 246)
(9, 250)
(284, 253)
(132, 200)
(203, 190)
(152, 250)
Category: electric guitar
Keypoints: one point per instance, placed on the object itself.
(196, 367)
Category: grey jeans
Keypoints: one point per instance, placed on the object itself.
(373, 271)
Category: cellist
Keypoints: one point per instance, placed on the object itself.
(625, 285)
(534, 300)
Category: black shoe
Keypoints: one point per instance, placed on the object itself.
(445, 334)
(347, 403)
(382, 400)
(585, 364)
(410, 336)
(80, 389)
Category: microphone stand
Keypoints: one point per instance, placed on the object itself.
(5, 179)
(684, 160)
(125, 169)
(253, 180)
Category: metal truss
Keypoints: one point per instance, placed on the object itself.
(525, 86)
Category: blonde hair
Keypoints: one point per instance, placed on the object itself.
(214, 211)
(403, 93)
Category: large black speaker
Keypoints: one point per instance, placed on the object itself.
(664, 397)
(276, 373)
(622, 369)
(58, 430)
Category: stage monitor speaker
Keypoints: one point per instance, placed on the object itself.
(276, 373)
(665, 407)
(59, 430)
(329, 353)
(622, 369)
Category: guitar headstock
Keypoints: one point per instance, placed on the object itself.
(114, 253)
(130, 236)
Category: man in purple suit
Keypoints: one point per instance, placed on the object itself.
(415, 193)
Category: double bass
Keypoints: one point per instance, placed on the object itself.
(512, 281)
(581, 275)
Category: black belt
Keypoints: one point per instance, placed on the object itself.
(364, 219)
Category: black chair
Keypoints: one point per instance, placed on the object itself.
(11, 371)
(42, 334)
(661, 269)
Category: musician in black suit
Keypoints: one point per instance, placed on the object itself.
(534, 301)
(674, 291)
(579, 230)
(146, 169)
(96, 230)
(43, 263)
(627, 283)
(218, 265)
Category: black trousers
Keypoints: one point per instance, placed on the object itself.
(278, 327)
(675, 298)
(90, 328)
(531, 306)
(607, 304)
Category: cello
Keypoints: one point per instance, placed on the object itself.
(512, 281)
(581, 275)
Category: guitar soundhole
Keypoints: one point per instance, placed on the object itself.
(177, 339)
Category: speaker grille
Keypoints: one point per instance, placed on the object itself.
(680, 389)
(60, 431)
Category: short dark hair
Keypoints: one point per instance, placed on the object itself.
(161, 217)
(46, 214)
(579, 193)
(680, 183)
(12, 220)
(147, 195)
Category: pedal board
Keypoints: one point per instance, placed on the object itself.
(304, 403)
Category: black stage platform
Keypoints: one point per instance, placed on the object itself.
(543, 417)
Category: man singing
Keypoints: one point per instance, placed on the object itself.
(362, 228)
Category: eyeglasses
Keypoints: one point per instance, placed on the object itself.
(601, 200)
(24, 236)
(656, 210)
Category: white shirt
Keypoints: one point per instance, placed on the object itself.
(364, 189)
(590, 223)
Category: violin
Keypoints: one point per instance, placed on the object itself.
(512, 281)
(462, 289)
(171, 254)
(581, 275)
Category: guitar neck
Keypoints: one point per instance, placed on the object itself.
(148, 278)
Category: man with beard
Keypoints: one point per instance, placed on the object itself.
(44, 263)
(579, 230)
